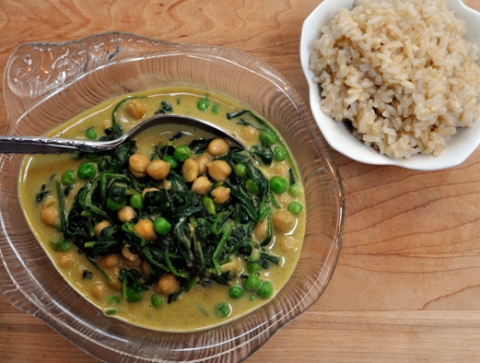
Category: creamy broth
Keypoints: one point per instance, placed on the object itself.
(191, 310)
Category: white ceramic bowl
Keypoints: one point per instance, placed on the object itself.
(459, 147)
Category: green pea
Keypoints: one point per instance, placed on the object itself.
(69, 177)
(135, 295)
(87, 171)
(136, 201)
(294, 190)
(162, 226)
(253, 267)
(278, 184)
(295, 207)
(91, 134)
(113, 205)
(251, 186)
(266, 290)
(209, 205)
(203, 104)
(157, 300)
(280, 153)
(216, 109)
(268, 137)
(241, 170)
(236, 292)
(62, 244)
(113, 299)
(222, 310)
(252, 283)
(182, 153)
(170, 159)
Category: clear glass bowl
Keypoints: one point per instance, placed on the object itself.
(47, 84)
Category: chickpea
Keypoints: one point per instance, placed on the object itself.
(287, 243)
(128, 254)
(220, 194)
(65, 260)
(101, 226)
(282, 220)
(218, 147)
(126, 213)
(137, 164)
(190, 170)
(144, 228)
(249, 133)
(167, 284)
(147, 271)
(219, 170)
(132, 264)
(284, 198)
(201, 185)
(136, 109)
(202, 161)
(146, 190)
(110, 261)
(158, 169)
(49, 215)
(282, 170)
(166, 184)
(235, 268)
(116, 284)
(261, 231)
(98, 291)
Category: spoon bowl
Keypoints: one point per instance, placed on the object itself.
(55, 145)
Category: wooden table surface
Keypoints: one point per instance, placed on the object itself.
(407, 285)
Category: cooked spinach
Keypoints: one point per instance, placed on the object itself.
(42, 193)
(204, 236)
(164, 108)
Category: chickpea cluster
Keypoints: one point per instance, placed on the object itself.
(199, 170)
(167, 283)
(141, 166)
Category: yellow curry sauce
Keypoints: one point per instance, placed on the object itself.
(189, 311)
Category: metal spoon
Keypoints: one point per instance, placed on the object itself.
(45, 145)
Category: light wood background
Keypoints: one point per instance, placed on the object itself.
(407, 285)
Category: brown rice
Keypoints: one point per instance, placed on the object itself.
(401, 72)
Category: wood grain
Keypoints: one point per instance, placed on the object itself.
(407, 284)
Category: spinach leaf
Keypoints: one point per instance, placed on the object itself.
(134, 284)
(264, 152)
(183, 235)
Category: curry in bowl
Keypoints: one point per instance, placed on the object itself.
(178, 230)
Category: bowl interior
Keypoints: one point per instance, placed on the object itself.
(340, 138)
(128, 63)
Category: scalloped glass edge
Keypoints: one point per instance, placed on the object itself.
(110, 341)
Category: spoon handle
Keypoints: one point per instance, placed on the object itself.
(49, 145)
(45, 145)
